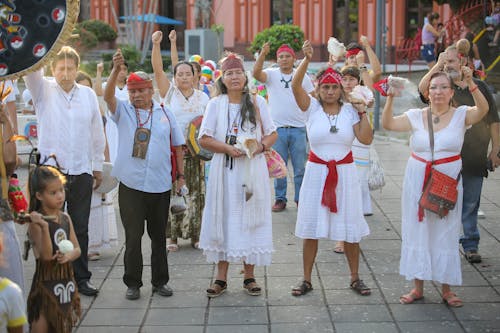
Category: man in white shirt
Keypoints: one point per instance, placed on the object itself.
(70, 126)
(287, 116)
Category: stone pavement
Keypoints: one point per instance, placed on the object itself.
(331, 307)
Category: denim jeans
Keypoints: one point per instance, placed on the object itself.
(472, 196)
(291, 142)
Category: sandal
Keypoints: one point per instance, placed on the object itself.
(217, 288)
(412, 296)
(302, 288)
(171, 246)
(252, 287)
(339, 247)
(452, 300)
(195, 245)
(360, 287)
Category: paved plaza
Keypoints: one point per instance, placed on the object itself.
(330, 307)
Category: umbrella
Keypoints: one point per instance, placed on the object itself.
(158, 19)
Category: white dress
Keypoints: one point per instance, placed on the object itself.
(315, 221)
(243, 229)
(103, 233)
(430, 250)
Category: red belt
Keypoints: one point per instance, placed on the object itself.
(428, 167)
(329, 198)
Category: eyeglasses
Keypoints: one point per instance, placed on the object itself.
(434, 88)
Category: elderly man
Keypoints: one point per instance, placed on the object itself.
(475, 148)
(70, 127)
(143, 165)
(291, 122)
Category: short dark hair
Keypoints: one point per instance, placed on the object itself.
(351, 71)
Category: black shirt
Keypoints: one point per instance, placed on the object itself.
(477, 138)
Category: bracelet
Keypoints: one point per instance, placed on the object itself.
(180, 175)
(473, 89)
(363, 68)
(264, 148)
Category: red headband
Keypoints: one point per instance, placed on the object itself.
(352, 52)
(134, 81)
(330, 76)
(285, 48)
(231, 62)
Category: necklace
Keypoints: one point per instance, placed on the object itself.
(139, 123)
(63, 94)
(333, 127)
(285, 81)
(437, 119)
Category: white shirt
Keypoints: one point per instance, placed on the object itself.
(12, 306)
(69, 124)
(152, 174)
(284, 108)
(186, 110)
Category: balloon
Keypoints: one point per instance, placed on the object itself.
(196, 58)
(211, 64)
(207, 73)
(217, 74)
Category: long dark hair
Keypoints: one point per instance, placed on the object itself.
(38, 180)
(248, 109)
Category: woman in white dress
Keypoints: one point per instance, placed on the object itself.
(429, 249)
(237, 223)
(330, 196)
(186, 103)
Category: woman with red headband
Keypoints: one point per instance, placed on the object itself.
(237, 223)
(330, 195)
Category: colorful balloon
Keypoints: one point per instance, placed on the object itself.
(207, 73)
(211, 64)
(217, 74)
(196, 58)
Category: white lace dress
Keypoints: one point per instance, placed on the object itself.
(430, 248)
(315, 221)
(232, 228)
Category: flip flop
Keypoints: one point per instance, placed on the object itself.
(172, 247)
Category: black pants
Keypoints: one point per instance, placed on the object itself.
(78, 197)
(135, 208)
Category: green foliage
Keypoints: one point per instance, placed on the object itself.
(277, 35)
(103, 31)
(217, 28)
(86, 40)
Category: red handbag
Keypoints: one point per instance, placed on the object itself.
(440, 191)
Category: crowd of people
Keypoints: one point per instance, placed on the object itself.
(322, 125)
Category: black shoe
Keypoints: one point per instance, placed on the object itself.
(133, 293)
(164, 290)
(86, 288)
(473, 257)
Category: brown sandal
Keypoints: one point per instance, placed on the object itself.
(217, 288)
(412, 296)
(360, 287)
(252, 287)
(452, 300)
(302, 288)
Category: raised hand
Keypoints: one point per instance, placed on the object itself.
(157, 37)
(118, 60)
(100, 68)
(172, 36)
(307, 49)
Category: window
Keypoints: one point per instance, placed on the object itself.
(282, 12)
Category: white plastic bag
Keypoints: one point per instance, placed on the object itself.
(178, 204)
(376, 179)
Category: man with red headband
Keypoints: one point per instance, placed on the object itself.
(286, 115)
(148, 132)
(70, 127)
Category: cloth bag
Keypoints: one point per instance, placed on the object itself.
(440, 190)
(275, 164)
(376, 178)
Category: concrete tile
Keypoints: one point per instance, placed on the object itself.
(477, 294)
(113, 317)
(237, 316)
(482, 326)
(430, 326)
(421, 312)
(479, 311)
(347, 296)
(237, 328)
(359, 313)
(237, 298)
(305, 314)
(180, 299)
(107, 329)
(365, 327)
(182, 316)
(173, 328)
(316, 327)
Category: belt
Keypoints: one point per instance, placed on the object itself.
(329, 198)
(288, 127)
(428, 167)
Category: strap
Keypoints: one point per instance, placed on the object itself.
(430, 129)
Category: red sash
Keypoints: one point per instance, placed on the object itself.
(428, 167)
(329, 198)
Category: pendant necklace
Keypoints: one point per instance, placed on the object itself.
(138, 116)
(437, 117)
(333, 127)
(285, 81)
(63, 94)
